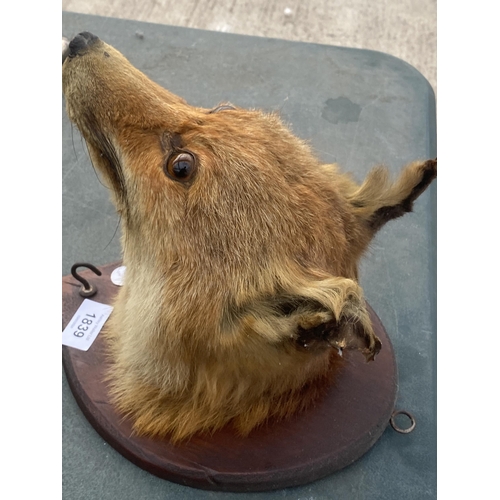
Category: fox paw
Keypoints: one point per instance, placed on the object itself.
(350, 332)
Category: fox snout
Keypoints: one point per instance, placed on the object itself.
(80, 43)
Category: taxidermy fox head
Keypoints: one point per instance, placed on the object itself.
(241, 251)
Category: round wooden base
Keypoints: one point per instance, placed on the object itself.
(341, 427)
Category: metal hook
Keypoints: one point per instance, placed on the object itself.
(87, 290)
(399, 429)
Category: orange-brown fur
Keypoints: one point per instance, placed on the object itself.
(241, 282)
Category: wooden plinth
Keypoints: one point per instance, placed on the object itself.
(342, 426)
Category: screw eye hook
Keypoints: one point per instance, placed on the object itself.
(87, 290)
(399, 429)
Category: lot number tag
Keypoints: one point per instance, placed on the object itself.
(86, 324)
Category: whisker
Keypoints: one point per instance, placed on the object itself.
(95, 171)
(283, 104)
(73, 141)
(326, 153)
(114, 234)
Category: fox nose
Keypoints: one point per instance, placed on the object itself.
(80, 44)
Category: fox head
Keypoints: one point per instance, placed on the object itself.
(241, 247)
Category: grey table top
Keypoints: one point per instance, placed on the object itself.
(357, 108)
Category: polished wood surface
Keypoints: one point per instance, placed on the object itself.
(341, 427)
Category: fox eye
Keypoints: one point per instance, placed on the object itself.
(181, 166)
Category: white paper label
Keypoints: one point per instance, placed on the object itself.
(86, 324)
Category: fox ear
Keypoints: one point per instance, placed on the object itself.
(378, 200)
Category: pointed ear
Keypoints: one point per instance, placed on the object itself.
(316, 316)
(378, 200)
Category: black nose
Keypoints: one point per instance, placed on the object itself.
(81, 43)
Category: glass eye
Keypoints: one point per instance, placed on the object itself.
(181, 167)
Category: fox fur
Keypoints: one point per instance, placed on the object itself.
(241, 250)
